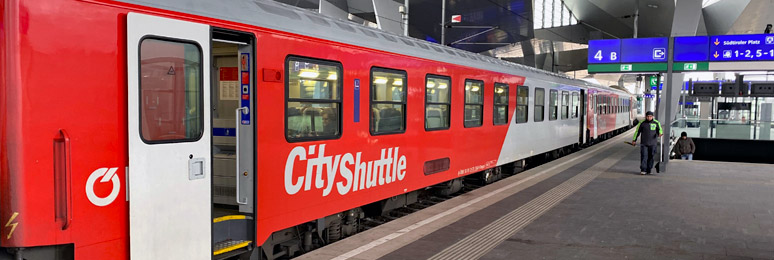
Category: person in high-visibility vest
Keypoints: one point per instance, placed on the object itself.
(650, 130)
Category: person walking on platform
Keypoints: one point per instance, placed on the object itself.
(685, 147)
(650, 130)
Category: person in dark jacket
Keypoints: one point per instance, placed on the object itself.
(685, 147)
(650, 130)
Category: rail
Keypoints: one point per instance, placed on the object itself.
(724, 129)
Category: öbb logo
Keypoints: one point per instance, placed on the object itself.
(107, 174)
(391, 167)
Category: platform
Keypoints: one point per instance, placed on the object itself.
(592, 204)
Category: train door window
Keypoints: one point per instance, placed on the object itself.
(388, 101)
(474, 103)
(171, 91)
(313, 92)
(540, 101)
(437, 102)
(565, 104)
(575, 104)
(500, 103)
(553, 104)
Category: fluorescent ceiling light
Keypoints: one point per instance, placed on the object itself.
(333, 76)
(397, 82)
(430, 84)
(380, 80)
(309, 74)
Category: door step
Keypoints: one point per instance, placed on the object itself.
(232, 233)
(229, 246)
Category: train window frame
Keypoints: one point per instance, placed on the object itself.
(575, 101)
(372, 102)
(565, 112)
(525, 105)
(339, 101)
(448, 103)
(466, 104)
(542, 106)
(200, 98)
(553, 102)
(495, 104)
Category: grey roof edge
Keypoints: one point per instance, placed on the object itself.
(296, 20)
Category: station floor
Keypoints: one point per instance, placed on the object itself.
(592, 204)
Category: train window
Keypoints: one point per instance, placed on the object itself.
(540, 100)
(565, 104)
(388, 101)
(575, 104)
(599, 105)
(522, 104)
(171, 87)
(313, 92)
(553, 105)
(474, 103)
(501, 103)
(437, 102)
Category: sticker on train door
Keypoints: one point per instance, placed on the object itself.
(244, 66)
(356, 99)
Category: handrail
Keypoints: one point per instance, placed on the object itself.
(238, 124)
(63, 166)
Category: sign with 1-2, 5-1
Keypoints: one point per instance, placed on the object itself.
(604, 51)
(750, 47)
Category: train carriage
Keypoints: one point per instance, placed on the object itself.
(199, 129)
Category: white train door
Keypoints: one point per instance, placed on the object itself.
(169, 138)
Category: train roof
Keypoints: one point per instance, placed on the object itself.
(282, 17)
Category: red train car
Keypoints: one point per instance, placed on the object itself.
(200, 130)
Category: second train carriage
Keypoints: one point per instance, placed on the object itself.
(190, 129)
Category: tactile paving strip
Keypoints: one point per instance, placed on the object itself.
(482, 241)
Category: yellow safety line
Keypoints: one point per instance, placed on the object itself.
(229, 217)
(232, 248)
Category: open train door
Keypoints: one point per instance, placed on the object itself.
(169, 138)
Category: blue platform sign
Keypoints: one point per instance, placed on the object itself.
(604, 51)
(692, 48)
(751, 47)
(644, 50)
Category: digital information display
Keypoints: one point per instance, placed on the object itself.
(693, 48)
(604, 51)
(751, 47)
(644, 50)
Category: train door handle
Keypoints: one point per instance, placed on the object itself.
(63, 178)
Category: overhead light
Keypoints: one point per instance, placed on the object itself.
(430, 84)
(475, 89)
(333, 76)
(380, 80)
(442, 86)
(397, 82)
(499, 91)
(654, 6)
(309, 74)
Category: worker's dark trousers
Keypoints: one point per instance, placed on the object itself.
(647, 154)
